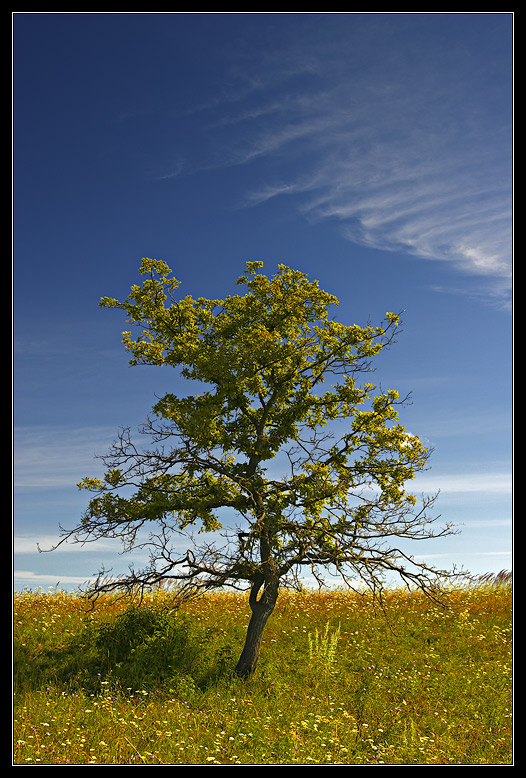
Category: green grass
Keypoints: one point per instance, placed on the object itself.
(336, 684)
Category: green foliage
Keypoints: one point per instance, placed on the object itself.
(142, 648)
(265, 354)
(273, 375)
(150, 649)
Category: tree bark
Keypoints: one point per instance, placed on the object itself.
(261, 610)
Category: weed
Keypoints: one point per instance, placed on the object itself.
(322, 649)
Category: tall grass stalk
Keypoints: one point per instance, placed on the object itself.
(322, 648)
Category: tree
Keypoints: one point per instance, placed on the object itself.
(285, 473)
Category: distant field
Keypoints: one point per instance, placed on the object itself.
(337, 682)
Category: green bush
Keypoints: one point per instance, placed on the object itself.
(144, 649)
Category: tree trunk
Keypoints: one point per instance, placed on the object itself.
(261, 610)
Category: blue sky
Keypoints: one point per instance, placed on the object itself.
(371, 151)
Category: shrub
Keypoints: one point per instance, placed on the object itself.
(145, 648)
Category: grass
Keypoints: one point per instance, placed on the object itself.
(336, 684)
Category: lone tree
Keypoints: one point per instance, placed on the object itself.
(287, 474)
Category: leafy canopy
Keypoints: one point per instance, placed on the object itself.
(275, 377)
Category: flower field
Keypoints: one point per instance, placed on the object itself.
(339, 681)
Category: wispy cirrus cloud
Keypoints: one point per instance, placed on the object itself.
(396, 129)
(54, 457)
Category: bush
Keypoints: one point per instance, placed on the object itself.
(145, 649)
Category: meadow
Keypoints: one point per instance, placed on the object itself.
(339, 682)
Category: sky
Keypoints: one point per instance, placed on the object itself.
(371, 151)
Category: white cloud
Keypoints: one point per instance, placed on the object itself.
(436, 201)
(402, 141)
(481, 483)
(30, 579)
(27, 544)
